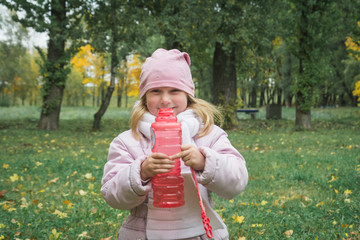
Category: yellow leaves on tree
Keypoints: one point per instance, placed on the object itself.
(353, 47)
(93, 69)
(91, 66)
(133, 75)
(277, 42)
(356, 92)
(83, 59)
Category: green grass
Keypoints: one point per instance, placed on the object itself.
(303, 184)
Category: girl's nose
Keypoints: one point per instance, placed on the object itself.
(165, 99)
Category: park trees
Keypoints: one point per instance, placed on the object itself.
(61, 20)
(113, 27)
(13, 58)
(306, 40)
(256, 50)
(353, 46)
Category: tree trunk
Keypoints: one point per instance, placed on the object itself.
(94, 96)
(303, 119)
(279, 96)
(262, 96)
(253, 97)
(288, 100)
(56, 74)
(303, 113)
(304, 88)
(106, 101)
(224, 83)
(119, 95)
(50, 113)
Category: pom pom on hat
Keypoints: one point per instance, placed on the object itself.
(167, 69)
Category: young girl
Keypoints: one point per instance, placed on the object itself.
(166, 82)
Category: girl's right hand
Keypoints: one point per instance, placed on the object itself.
(155, 164)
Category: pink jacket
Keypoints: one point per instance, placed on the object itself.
(225, 174)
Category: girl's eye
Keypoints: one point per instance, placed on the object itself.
(175, 90)
(154, 90)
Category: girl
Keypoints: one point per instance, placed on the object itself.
(166, 82)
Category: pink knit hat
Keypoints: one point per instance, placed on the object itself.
(167, 69)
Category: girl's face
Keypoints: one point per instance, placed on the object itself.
(166, 97)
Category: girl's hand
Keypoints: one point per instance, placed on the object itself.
(156, 163)
(191, 156)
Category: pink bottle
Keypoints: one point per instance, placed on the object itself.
(166, 138)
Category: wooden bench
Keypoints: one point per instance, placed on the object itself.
(252, 112)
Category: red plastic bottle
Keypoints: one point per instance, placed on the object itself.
(166, 138)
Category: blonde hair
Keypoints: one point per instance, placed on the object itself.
(208, 113)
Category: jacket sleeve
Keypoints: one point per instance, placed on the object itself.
(122, 187)
(225, 170)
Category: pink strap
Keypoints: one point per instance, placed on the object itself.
(205, 219)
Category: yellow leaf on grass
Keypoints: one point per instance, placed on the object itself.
(288, 233)
(238, 219)
(55, 235)
(84, 235)
(88, 176)
(263, 203)
(347, 192)
(69, 204)
(82, 192)
(6, 166)
(108, 238)
(333, 178)
(54, 180)
(60, 214)
(14, 178)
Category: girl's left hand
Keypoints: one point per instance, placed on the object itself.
(191, 156)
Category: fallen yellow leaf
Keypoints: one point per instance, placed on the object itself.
(82, 192)
(238, 219)
(347, 192)
(14, 178)
(54, 180)
(108, 238)
(288, 233)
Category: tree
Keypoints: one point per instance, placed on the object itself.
(83, 62)
(356, 92)
(75, 91)
(224, 60)
(305, 41)
(61, 19)
(12, 52)
(117, 35)
(132, 80)
(353, 46)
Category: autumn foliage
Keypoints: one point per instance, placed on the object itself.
(353, 47)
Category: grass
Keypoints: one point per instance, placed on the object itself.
(303, 184)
